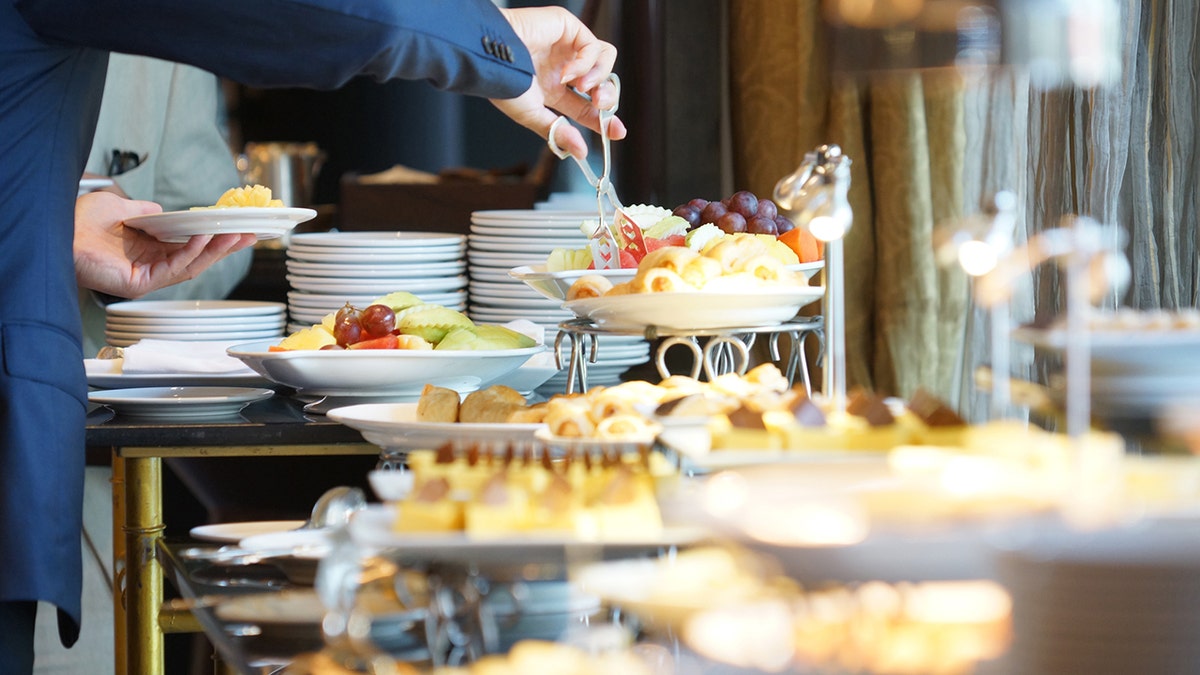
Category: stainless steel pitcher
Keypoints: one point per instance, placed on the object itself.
(289, 169)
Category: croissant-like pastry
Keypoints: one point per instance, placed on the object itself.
(699, 271)
(589, 286)
(673, 258)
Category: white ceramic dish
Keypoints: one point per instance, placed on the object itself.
(554, 285)
(378, 239)
(373, 528)
(1128, 352)
(379, 372)
(179, 402)
(598, 445)
(179, 226)
(235, 532)
(194, 309)
(695, 311)
(485, 300)
(395, 426)
(381, 286)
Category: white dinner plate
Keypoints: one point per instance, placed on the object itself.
(224, 335)
(494, 275)
(476, 257)
(194, 309)
(321, 300)
(395, 240)
(554, 285)
(395, 426)
(310, 544)
(235, 532)
(536, 303)
(197, 324)
(179, 402)
(179, 226)
(317, 269)
(364, 255)
(520, 244)
(696, 311)
(397, 373)
(380, 286)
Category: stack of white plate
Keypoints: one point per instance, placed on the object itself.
(328, 269)
(503, 239)
(1118, 601)
(192, 320)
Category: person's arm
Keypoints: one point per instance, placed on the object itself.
(465, 46)
(121, 261)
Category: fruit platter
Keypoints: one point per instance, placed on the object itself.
(390, 350)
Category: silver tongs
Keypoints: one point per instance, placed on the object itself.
(605, 251)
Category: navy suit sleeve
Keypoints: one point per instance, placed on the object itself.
(464, 46)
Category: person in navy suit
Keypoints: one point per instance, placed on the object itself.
(53, 55)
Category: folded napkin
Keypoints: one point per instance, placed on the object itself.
(177, 356)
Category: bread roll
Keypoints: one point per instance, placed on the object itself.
(437, 404)
(492, 405)
(589, 286)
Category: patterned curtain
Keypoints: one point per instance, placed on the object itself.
(930, 147)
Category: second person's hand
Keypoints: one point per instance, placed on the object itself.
(565, 54)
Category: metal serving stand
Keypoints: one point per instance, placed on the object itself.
(726, 350)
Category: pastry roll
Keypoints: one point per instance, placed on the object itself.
(733, 252)
(589, 286)
(625, 426)
(765, 267)
(568, 417)
(660, 280)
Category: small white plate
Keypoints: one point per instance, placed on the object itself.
(118, 380)
(696, 311)
(235, 532)
(179, 402)
(179, 226)
(380, 286)
(309, 544)
(378, 239)
(196, 324)
(222, 335)
(194, 309)
(597, 445)
(395, 425)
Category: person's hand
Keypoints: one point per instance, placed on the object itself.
(565, 54)
(118, 260)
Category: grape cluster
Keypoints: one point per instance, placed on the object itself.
(352, 325)
(740, 212)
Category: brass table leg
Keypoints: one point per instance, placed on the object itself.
(143, 575)
(118, 553)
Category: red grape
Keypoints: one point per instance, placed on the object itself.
(689, 213)
(378, 320)
(713, 212)
(767, 209)
(331, 347)
(347, 331)
(347, 311)
(783, 224)
(745, 203)
(760, 225)
(698, 203)
(732, 223)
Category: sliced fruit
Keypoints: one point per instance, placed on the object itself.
(385, 342)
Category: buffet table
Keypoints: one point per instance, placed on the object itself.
(275, 427)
